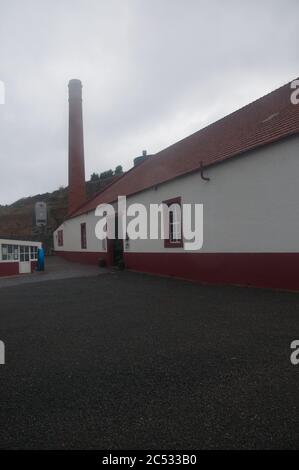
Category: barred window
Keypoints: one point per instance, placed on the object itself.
(60, 237)
(10, 252)
(83, 236)
(174, 214)
(24, 253)
(33, 252)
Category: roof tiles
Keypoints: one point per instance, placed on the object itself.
(261, 122)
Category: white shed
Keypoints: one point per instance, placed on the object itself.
(17, 256)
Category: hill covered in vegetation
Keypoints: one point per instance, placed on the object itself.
(17, 220)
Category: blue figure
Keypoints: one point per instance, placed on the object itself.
(40, 259)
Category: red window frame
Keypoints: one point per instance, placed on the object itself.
(83, 236)
(60, 237)
(168, 243)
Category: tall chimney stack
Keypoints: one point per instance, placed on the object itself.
(77, 191)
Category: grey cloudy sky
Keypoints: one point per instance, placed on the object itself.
(153, 72)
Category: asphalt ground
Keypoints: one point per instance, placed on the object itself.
(130, 361)
(55, 268)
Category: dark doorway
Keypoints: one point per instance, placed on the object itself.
(116, 247)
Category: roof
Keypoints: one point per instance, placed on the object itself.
(261, 122)
(17, 240)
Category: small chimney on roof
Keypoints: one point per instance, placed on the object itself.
(141, 159)
(77, 190)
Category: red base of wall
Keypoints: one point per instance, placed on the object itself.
(274, 270)
(33, 265)
(12, 269)
(9, 269)
(270, 270)
(85, 257)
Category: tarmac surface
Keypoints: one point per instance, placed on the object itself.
(129, 361)
(55, 268)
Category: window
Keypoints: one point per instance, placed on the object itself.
(10, 252)
(83, 236)
(60, 237)
(33, 252)
(24, 253)
(4, 252)
(174, 222)
(15, 252)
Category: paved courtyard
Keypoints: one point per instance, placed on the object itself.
(129, 361)
(56, 268)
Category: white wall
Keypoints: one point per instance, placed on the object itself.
(72, 235)
(251, 204)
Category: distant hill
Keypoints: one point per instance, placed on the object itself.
(17, 219)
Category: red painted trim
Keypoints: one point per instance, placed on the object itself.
(173, 200)
(9, 269)
(274, 270)
(167, 241)
(85, 257)
(169, 244)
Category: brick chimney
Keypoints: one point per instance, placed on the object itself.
(141, 159)
(77, 191)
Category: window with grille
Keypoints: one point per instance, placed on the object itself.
(10, 252)
(33, 252)
(24, 253)
(174, 222)
(83, 237)
(60, 237)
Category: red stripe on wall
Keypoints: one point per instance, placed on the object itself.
(274, 270)
(9, 269)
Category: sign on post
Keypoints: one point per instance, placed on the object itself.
(41, 214)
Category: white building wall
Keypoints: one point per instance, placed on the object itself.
(251, 204)
(72, 235)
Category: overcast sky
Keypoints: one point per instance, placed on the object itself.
(153, 72)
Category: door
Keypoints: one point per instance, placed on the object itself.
(115, 247)
(118, 251)
(25, 263)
